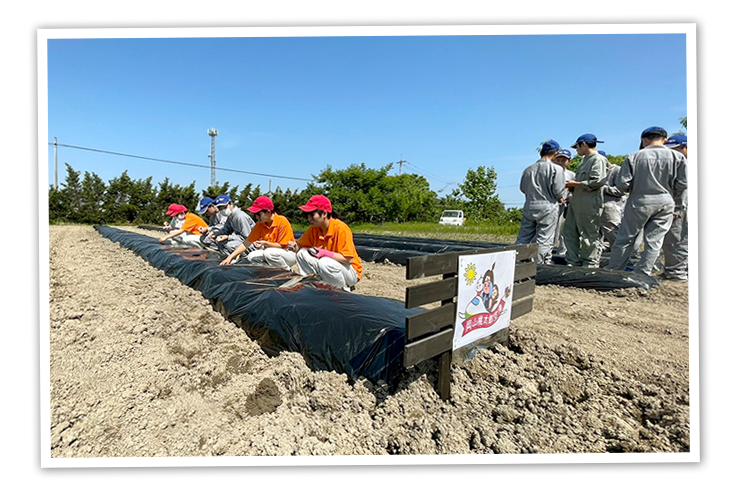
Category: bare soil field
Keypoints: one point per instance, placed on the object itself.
(141, 366)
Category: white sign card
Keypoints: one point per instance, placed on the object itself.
(485, 292)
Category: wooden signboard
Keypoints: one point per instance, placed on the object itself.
(430, 334)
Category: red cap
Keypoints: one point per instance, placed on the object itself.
(317, 202)
(261, 203)
(175, 209)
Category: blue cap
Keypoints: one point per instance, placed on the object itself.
(586, 138)
(550, 145)
(204, 204)
(222, 200)
(676, 140)
(565, 153)
(603, 153)
(654, 132)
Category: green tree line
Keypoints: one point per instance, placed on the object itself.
(359, 195)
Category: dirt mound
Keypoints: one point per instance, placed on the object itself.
(142, 366)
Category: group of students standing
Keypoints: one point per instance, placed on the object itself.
(602, 207)
(325, 250)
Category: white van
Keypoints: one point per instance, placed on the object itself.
(452, 217)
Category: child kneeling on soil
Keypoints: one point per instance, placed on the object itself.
(174, 223)
(188, 233)
(326, 249)
(270, 236)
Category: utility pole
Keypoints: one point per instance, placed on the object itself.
(56, 172)
(401, 163)
(213, 177)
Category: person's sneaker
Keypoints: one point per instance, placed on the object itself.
(668, 277)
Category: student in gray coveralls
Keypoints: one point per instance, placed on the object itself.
(613, 206)
(674, 247)
(582, 224)
(543, 184)
(215, 221)
(656, 179)
(563, 160)
(236, 228)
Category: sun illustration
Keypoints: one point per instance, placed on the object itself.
(470, 273)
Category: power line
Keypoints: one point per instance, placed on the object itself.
(178, 163)
(435, 177)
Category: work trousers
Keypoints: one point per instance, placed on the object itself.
(538, 226)
(559, 239)
(674, 249)
(228, 246)
(327, 269)
(611, 217)
(653, 215)
(275, 257)
(187, 239)
(208, 242)
(581, 231)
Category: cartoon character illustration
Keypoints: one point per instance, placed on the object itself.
(487, 296)
(481, 303)
(475, 307)
(493, 298)
(487, 303)
(487, 286)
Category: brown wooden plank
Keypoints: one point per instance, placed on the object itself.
(450, 275)
(524, 288)
(522, 307)
(526, 252)
(428, 347)
(421, 294)
(430, 321)
(431, 265)
(445, 378)
(525, 270)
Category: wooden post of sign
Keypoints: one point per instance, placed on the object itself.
(446, 357)
(429, 334)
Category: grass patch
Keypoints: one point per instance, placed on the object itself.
(470, 231)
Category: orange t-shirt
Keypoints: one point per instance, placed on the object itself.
(279, 232)
(191, 222)
(339, 238)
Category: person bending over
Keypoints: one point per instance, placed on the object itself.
(188, 232)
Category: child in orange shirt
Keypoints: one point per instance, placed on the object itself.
(270, 236)
(326, 249)
(188, 233)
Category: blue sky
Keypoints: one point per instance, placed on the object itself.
(290, 106)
